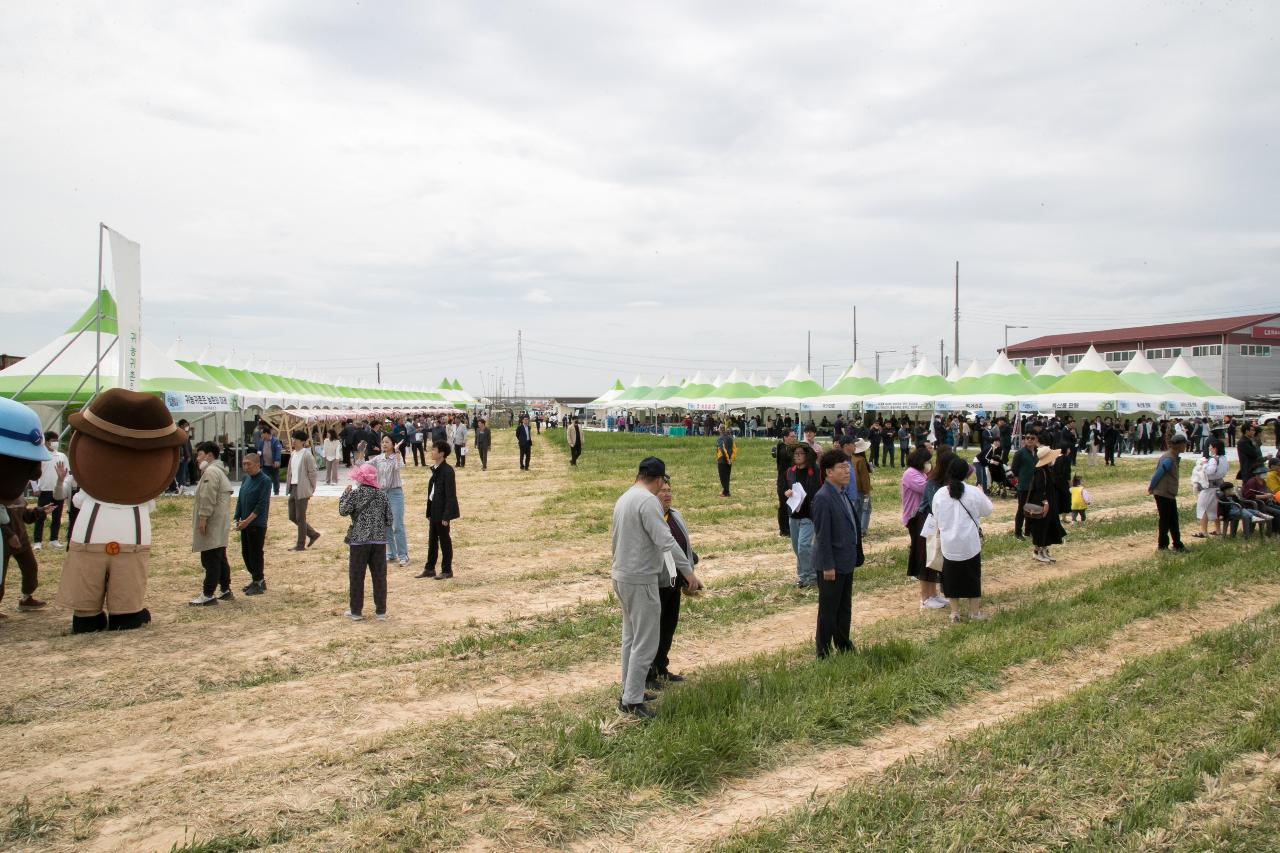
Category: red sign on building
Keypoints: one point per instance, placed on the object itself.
(1266, 333)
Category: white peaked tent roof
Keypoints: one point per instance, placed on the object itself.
(857, 371)
(953, 375)
(1091, 360)
(1002, 366)
(893, 377)
(1187, 379)
(924, 368)
(1181, 367)
(844, 393)
(795, 388)
(973, 371)
(693, 390)
(1051, 367)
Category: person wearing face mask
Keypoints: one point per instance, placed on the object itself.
(49, 492)
(211, 525)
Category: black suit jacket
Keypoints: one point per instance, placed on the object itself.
(837, 541)
(522, 436)
(442, 505)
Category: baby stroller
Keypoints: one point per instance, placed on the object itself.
(1002, 480)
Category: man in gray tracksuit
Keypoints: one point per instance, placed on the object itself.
(640, 538)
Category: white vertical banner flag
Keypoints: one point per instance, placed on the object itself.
(126, 264)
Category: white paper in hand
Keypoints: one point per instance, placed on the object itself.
(668, 568)
(797, 496)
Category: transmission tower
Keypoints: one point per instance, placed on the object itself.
(519, 378)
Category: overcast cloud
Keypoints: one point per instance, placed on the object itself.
(639, 187)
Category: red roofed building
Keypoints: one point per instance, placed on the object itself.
(1240, 355)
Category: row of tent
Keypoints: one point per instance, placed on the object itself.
(1092, 386)
(56, 374)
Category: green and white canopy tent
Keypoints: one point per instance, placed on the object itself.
(853, 387)
(797, 387)
(1166, 398)
(733, 393)
(913, 392)
(1182, 376)
(691, 392)
(999, 389)
(1050, 372)
(637, 390)
(700, 397)
(656, 397)
(607, 398)
(1091, 387)
(953, 376)
(756, 382)
(971, 373)
(61, 373)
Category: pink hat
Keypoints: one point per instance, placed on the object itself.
(365, 475)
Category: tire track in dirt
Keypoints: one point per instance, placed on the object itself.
(810, 780)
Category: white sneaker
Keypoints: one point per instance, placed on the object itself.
(1042, 558)
(55, 544)
(203, 601)
(354, 617)
(381, 617)
(36, 547)
(979, 616)
(404, 562)
(937, 602)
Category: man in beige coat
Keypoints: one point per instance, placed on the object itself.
(302, 485)
(210, 525)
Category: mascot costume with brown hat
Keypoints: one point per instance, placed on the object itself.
(21, 452)
(124, 452)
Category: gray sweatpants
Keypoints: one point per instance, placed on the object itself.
(641, 624)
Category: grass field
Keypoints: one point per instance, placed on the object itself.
(1118, 700)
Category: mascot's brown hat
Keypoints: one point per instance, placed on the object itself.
(125, 447)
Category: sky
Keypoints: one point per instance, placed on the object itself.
(638, 188)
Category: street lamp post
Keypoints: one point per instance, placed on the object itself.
(1007, 327)
(878, 354)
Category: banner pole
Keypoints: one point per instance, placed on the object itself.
(97, 364)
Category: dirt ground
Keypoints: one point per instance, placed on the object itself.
(139, 731)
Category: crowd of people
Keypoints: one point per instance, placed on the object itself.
(824, 492)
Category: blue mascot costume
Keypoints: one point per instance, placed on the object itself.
(21, 452)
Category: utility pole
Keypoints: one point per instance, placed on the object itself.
(809, 354)
(955, 350)
(914, 355)
(1007, 327)
(878, 354)
(855, 333)
(518, 382)
(378, 365)
(942, 354)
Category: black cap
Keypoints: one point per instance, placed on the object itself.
(652, 467)
(845, 439)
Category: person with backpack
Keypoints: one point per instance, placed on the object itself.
(955, 519)
(726, 453)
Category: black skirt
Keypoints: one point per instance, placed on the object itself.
(916, 555)
(962, 578)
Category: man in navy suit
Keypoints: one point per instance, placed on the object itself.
(525, 440)
(837, 551)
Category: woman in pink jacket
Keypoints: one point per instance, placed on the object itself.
(913, 482)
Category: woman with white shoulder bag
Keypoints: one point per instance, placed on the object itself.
(955, 520)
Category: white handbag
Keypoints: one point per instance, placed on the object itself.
(933, 552)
